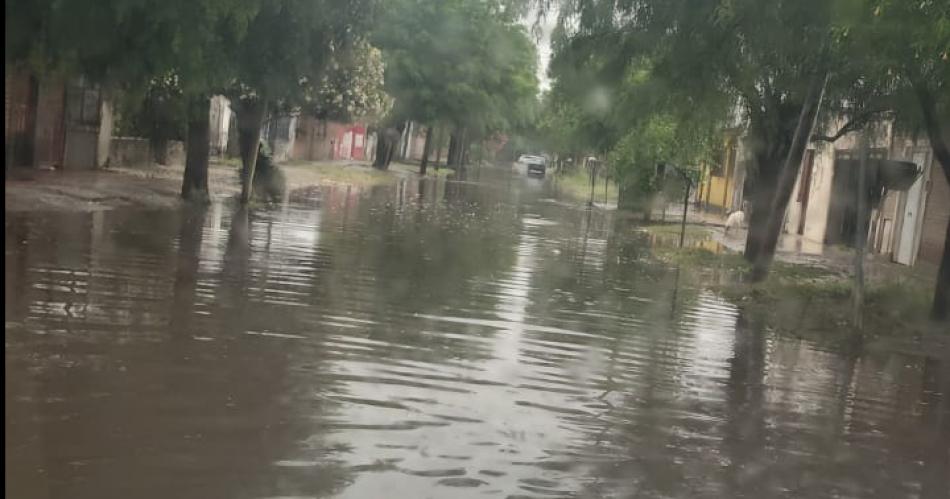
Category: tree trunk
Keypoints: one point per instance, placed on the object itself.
(438, 147)
(425, 151)
(250, 117)
(452, 159)
(860, 234)
(940, 310)
(778, 201)
(380, 161)
(764, 189)
(387, 140)
(194, 186)
(934, 128)
(465, 144)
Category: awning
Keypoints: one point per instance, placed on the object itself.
(890, 174)
(897, 175)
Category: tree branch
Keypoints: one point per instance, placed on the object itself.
(853, 125)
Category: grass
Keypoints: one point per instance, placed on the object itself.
(810, 301)
(235, 162)
(576, 184)
(692, 230)
(315, 172)
(431, 171)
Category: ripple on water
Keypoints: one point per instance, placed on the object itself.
(486, 343)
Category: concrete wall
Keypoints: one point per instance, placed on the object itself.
(176, 152)
(130, 151)
(104, 135)
(220, 116)
(137, 152)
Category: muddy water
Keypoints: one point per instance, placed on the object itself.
(462, 339)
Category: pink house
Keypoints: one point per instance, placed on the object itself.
(318, 140)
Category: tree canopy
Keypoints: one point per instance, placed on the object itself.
(458, 62)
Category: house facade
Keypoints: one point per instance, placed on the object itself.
(55, 122)
(908, 223)
(721, 183)
(322, 140)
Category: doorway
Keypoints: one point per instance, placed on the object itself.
(911, 217)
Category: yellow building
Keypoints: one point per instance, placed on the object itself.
(720, 188)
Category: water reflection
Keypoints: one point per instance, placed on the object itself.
(460, 338)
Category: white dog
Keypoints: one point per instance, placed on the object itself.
(736, 220)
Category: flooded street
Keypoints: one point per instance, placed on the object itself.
(475, 338)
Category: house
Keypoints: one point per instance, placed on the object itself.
(908, 222)
(720, 189)
(59, 123)
(321, 140)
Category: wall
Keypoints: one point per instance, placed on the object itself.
(418, 143)
(176, 152)
(80, 149)
(819, 197)
(130, 151)
(50, 125)
(83, 109)
(722, 192)
(280, 135)
(317, 140)
(936, 216)
(312, 141)
(220, 116)
(137, 152)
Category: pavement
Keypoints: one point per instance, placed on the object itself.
(797, 249)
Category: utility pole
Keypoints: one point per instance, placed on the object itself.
(661, 173)
(685, 207)
(593, 179)
(860, 233)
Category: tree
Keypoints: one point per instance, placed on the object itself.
(289, 44)
(466, 64)
(903, 49)
(172, 47)
(351, 86)
(765, 55)
(658, 139)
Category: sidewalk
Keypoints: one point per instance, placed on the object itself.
(796, 249)
(158, 186)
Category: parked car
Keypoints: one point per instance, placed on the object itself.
(536, 165)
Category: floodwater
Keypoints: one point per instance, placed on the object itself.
(476, 338)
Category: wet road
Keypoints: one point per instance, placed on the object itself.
(460, 339)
